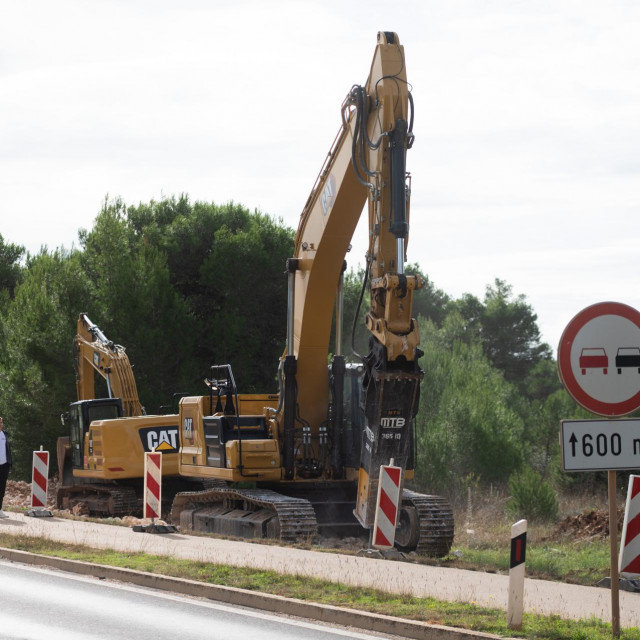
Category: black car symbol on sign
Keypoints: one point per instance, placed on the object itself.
(628, 357)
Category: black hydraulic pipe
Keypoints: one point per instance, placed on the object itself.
(398, 145)
(290, 370)
(390, 36)
(337, 376)
(290, 403)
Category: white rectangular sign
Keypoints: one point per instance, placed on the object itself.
(600, 445)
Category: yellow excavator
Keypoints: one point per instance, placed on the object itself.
(312, 453)
(101, 461)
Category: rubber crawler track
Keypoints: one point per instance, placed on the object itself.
(296, 517)
(118, 500)
(436, 522)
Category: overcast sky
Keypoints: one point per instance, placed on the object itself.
(525, 167)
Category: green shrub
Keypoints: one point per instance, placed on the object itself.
(531, 497)
(466, 423)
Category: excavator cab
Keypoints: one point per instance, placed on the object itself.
(81, 414)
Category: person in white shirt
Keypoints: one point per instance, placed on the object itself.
(5, 464)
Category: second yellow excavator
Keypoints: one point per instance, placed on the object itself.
(101, 461)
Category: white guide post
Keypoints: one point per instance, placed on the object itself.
(516, 574)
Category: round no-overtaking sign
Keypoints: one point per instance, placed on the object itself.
(599, 359)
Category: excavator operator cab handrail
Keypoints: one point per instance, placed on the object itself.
(223, 385)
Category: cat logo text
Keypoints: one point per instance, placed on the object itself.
(162, 439)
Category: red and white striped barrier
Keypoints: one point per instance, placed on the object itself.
(39, 478)
(153, 496)
(384, 526)
(152, 485)
(630, 542)
(39, 485)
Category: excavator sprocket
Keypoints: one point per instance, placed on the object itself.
(246, 513)
(425, 524)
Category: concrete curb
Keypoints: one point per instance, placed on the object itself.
(256, 600)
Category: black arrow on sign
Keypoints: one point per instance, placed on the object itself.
(572, 441)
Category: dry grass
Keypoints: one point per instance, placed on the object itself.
(565, 550)
(482, 521)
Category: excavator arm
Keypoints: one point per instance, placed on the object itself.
(366, 164)
(93, 351)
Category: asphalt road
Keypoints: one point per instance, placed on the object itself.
(40, 603)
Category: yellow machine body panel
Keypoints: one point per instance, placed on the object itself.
(114, 449)
(223, 455)
(255, 455)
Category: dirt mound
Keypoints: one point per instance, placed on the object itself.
(18, 494)
(589, 524)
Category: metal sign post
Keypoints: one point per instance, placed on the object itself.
(613, 542)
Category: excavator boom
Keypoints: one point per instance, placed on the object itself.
(367, 163)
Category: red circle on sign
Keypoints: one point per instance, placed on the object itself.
(594, 405)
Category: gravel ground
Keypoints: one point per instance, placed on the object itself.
(18, 494)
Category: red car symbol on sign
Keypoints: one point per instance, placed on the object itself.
(593, 358)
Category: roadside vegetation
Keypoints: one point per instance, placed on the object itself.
(465, 616)
(187, 285)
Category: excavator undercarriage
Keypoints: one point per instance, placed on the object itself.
(101, 500)
(425, 523)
